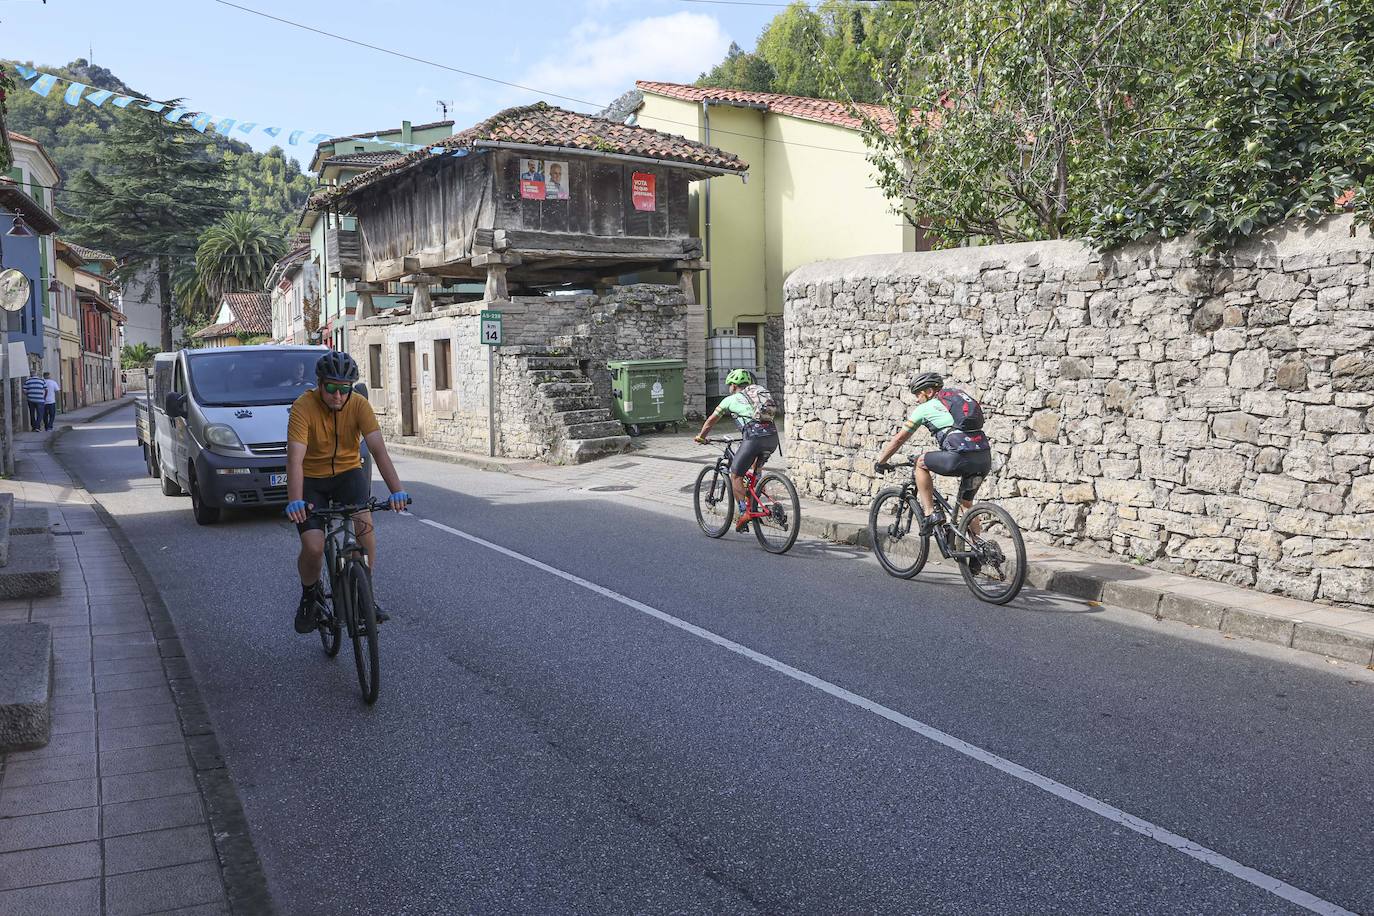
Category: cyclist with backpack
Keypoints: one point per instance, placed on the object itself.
(753, 409)
(955, 419)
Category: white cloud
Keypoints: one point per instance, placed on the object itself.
(598, 63)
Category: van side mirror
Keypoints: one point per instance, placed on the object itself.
(176, 404)
(361, 388)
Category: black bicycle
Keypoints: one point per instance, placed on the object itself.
(986, 542)
(349, 604)
(774, 508)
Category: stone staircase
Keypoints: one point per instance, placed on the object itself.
(28, 569)
(582, 426)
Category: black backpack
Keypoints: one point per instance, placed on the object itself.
(966, 411)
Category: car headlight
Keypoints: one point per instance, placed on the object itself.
(223, 436)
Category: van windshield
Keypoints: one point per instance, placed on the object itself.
(252, 378)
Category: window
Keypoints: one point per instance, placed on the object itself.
(374, 366)
(443, 359)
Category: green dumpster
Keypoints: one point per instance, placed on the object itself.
(647, 391)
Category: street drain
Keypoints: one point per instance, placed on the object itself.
(612, 488)
(623, 467)
(66, 534)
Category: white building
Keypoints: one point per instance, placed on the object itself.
(294, 288)
(139, 301)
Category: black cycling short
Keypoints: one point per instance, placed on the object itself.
(347, 489)
(971, 467)
(752, 448)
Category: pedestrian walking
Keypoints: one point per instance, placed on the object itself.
(50, 390)
(34, 392)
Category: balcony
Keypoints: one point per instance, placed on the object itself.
(343, 254)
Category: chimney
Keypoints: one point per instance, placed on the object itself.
(405, 132)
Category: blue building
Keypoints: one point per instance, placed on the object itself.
(21, 248)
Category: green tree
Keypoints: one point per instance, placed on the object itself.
(158, 192)
(137, 356)
(739, 70)
(236, 254)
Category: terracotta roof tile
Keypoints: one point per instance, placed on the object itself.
(826, 111)
(364, 160)
(89, 254)
(17, 137)
(252, 314)
(542, 124)
(386, 130)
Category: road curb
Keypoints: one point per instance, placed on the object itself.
(500, 465)
(245, 884)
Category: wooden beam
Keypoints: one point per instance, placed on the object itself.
(506, 259)
(530, 240)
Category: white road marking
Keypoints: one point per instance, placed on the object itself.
(1259, 879)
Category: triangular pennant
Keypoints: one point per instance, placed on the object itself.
(201, 122)
(247, 127)
(436, 150)
(123, 101)
(295, 137)
(271, 131)
(176, 114)
(99, 97)
(318, 139)
(27, 73)
(225, 126)
(73, 93)
(43, 85)
(154, 106)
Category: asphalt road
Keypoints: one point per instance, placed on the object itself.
(652, 721)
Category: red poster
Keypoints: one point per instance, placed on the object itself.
(531, 190)
(642, 191)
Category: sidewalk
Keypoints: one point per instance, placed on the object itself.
(664, 467)
(128, 809)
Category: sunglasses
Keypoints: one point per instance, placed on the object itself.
(336, 388)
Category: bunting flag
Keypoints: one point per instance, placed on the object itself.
(42, 84)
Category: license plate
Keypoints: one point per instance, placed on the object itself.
(277, 480)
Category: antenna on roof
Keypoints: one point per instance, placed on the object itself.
(443, 107)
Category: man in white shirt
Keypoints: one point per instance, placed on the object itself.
(50, 390)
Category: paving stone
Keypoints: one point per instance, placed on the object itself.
(59, 746)
(129, 680)
(152, 814)
(62, 686)
(119, 628)
(158, 849)
(139, 736)
(56, 828)
(17, 801)
(143, 759)
(74, 898)
(148, 650)
(129, 716)
(156, 784)
(51, 769)
(124, 639)
(50, 865)
(142, 696)
(162, 889)
(127, 665)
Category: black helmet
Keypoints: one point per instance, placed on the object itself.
(337, 364)
(927, 380)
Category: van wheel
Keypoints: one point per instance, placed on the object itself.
(205, 515)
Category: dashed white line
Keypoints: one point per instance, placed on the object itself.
(1259, 879)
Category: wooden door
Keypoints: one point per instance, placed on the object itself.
(409, 389)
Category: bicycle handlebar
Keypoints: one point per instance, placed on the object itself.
(724, 439)
(372, 505)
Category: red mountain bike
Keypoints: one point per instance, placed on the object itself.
(774, 509)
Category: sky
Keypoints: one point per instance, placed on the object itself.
(232, 63)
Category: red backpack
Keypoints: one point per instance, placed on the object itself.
(966, 411)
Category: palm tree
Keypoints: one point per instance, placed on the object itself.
(236, 254)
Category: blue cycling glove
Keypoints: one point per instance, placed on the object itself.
(399, 500)
(297, 505)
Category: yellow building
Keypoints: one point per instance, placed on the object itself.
(69, 261)
(811, 195)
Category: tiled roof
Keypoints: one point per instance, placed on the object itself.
(826, 111)
(17, 137)
(215, 330)
(22, 138)
(252, 315)
(89, 254)
(364, 160)
(542, 124)
(16, 200)
(386, 130)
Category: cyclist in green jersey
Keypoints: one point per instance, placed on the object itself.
(751, 406)
(965, 454)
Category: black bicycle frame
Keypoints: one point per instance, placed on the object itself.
(910, 496)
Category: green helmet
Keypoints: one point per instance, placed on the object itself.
(740, 377)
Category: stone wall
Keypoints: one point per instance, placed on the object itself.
(774, 357)
(1208, 415)
(633, 322)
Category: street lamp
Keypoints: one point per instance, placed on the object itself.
(19, 228)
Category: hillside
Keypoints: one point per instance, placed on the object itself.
(268, 184)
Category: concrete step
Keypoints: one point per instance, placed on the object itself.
(565, 403)
(552, 362)
(587, 415)
(566, 389)
(26, 687)
(598, 430)
(30, 521)
(32, 570)
(580, 451)
(544, 376)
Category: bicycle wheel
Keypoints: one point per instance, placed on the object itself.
(331, 633)
(778, 497)
(713, 501)
(998, 571)
(358, 585)
(895, 533)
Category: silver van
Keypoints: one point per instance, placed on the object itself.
(220, 416)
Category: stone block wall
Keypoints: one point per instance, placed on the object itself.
(774, 359)
(1205, 414)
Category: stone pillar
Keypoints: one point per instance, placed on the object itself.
(365, 291)
(497, 289)
(694, 378)
(420, 304)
